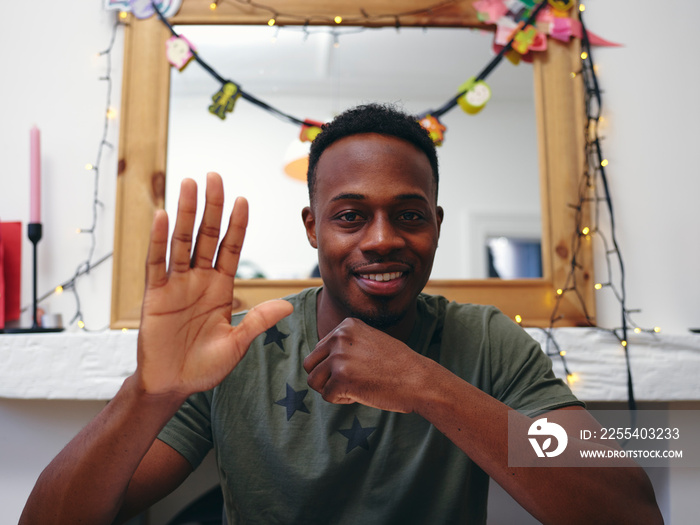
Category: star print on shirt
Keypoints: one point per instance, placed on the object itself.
(273, 335)
(294, 401)
(357, 436)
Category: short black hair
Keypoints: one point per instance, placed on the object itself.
(384, 119)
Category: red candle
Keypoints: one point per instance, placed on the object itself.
(35, 176)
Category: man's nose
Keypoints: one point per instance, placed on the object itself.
(382, 237)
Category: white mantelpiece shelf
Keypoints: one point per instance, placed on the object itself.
(94, 365)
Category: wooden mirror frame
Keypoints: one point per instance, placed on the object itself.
(559, 110)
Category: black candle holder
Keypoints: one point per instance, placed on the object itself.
(34, 231)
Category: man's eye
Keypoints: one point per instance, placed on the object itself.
(410, 216)
(349, 216)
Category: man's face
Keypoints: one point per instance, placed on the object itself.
(375, 223)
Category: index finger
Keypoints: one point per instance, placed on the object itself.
(318, 354)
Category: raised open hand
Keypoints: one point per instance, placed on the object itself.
(186, 341)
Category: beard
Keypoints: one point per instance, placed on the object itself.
(376, 316)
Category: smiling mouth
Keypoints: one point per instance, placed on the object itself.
(381, 277)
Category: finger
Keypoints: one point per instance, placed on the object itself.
(318, 355)
(232, 243)
(318, 377)
(259, 319)
(321, 352)
(208, 233)
(156, 272)
(181, 245)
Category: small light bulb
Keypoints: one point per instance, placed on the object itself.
(559, 291)
(604, 162)
(58, 289)
(338, 19)
(81, 324)
(518, 319)
(111, 113)
(586, 230)
(657, 329)
(562, 353)
(597, 286)
(637, 330)
(78, 230)
(623, 343)
(212, 6)
(572, 378)
(584, 55)
(122, 15)
(125, 330)
(582, 8)
(572, 74)
(271, 22)
(89, 166)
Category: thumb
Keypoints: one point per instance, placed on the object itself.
(259, 319)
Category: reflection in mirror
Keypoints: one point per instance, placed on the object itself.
(488, 162)
(514, 258)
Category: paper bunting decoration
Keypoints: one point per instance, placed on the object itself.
(561, 5)
(490, 11)
(224, 100)
(523, 39)
(144, 8)
(553, 20)
(522, 26)
(179, 51)
(476, 95)
(434, 128)
(310, 130)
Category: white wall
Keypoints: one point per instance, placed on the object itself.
(651, 142)
(50, 79)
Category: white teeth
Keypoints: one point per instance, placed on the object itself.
(381, 276)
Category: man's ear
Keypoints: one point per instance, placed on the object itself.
(440, 215)
(307, 216)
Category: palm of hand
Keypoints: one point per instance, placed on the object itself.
(192, 346)
(186, 341)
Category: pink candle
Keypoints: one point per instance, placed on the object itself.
(35, 176)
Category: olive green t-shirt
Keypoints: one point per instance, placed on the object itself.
(285, 455)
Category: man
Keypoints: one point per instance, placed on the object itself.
(408, 412)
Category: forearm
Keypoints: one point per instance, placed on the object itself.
(479, 425)
(87, 481)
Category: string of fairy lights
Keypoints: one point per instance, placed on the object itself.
(597, 202)
(471, 96)
(306, 20)
(89, 263)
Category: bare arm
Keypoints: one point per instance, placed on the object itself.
(161, 462)
(356, 363)
(186, 344)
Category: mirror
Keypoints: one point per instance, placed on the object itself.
(488, 163)
(558, 113)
